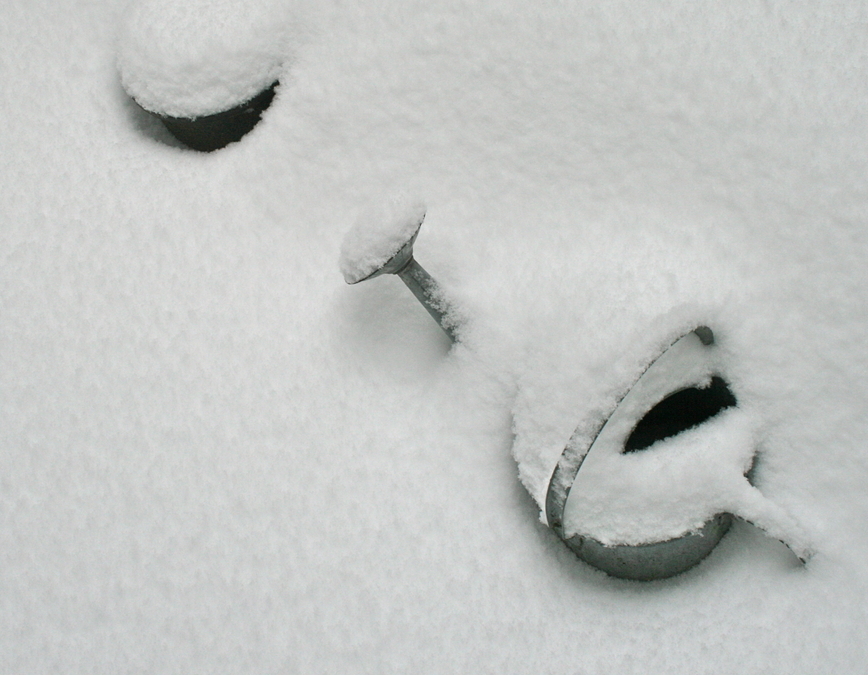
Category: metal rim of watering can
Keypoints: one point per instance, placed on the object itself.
(657, 560)
(212, 132)
(639, 562)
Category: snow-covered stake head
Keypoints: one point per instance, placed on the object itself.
(207, 69)
(381, 242)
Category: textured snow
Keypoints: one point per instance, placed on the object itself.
(380, 231)
(199, 57)
(217, 457)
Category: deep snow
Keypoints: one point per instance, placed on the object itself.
(215, 456)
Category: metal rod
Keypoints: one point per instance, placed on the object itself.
(427, 291)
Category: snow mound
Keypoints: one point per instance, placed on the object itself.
(200, 57)
(379, 233)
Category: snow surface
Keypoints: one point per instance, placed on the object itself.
(380, 231)
(216, 457)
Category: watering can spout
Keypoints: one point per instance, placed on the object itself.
(381, 242)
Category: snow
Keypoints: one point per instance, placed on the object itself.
(215, 456)
(199, 57)
(380, 231)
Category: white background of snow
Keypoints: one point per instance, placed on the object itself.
(217, 457)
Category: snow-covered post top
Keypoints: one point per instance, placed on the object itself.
(193, 58)
(381, 242)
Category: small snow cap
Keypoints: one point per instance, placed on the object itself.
(380, 231)
(193, 58)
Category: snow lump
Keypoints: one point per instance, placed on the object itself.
(200, 57)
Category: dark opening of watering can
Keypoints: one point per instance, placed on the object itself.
(212, 132)
(679, 412)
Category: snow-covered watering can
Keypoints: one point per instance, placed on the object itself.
(645, 487)
(204, 71)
